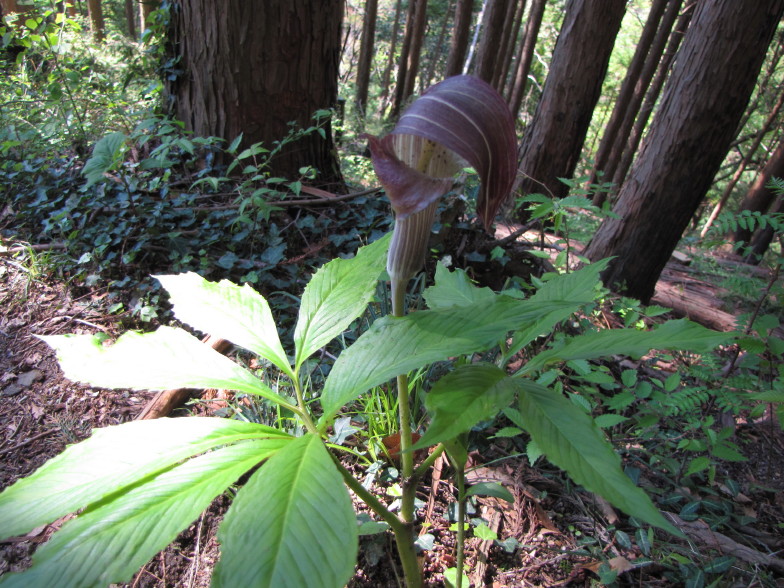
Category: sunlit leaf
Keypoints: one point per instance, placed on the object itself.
(165, 359)
(336, 295)
(291, 525)
(111, 459)
(238, 314)
(109, 543)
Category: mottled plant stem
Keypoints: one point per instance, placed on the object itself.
(404, 409)
(404, 532)
(461, 500)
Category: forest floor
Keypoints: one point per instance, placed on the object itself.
(41, 412)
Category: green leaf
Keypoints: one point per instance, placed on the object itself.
(337, 294)
(107, 153)
(485, 533)
(605, 421)
(493, 489)
(165, 359)
(578, 288)
(109, 543)
(223, 309)
(697, 465)
(111, 459)
(572, 441)
(462, 398)
(291, 525)
(679, 334)
(454, 288)
(397, 345)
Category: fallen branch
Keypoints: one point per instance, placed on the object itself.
(166, 401)
(36, 247)
(701, 533)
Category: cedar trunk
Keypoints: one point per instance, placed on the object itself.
(551, 146)
(759, 198)
(705, 97)
(96, 19)
(366, 54)
(528, 44)
(458, 48)
(630, 82)
(491, 41)
(252, 67)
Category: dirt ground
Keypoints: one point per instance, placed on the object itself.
(41, 412)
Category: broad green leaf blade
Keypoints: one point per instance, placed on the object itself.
(238, 314)
(291, 525)
(106, 154)
(454, 288)
(109, 543)
(397, 345)
(165, 359)
(462, 398)
(679, 334)
(572, 441)
(338, 293)
(493, 489)
(578, 287)
(111, 459)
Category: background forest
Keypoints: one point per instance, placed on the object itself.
(231, 140)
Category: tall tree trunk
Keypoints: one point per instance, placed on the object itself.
(480, 24)
(710, 86)
(416, 19)
(276, 62)
(759, 198)
(662, 68)
(427, 79)
(501, 76)
(386, 80)
(145, 8)
(632, 79)
(130, 19)
(763, 237)
(366, 54)
(458, 47)
(530, 36)
(552, 144)
(725, 195)
(96, 19)
(491, 40)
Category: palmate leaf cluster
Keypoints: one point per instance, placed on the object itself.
(292, 523)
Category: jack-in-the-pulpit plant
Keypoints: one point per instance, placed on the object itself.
(291, 522)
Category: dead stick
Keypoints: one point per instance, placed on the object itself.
(167, 400)
(27, 441)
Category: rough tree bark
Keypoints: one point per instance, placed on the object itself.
(662, 67)
(501, 75)
(96, 19)
(252, 67)
(390, 58)
(552, 144)
(416, 20)
(632, 79)
(759, 198)
(145, 8)
(366, 54)
(751, 151)
(491, 40)
(458, 47)
(130, 19)
(530, 35)
(710, 86)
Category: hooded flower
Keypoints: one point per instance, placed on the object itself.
(460, 120)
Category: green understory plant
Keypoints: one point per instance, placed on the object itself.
(291, 521)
